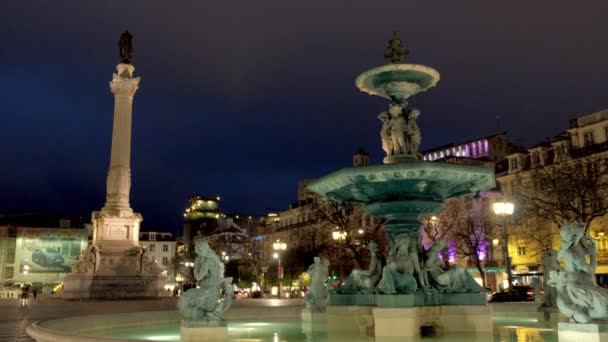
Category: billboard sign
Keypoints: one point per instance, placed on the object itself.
(45, 250)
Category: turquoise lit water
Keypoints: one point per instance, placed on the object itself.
(506, 329)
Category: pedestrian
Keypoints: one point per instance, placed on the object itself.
(35, 293)
(24, 293)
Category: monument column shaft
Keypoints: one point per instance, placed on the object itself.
(123, 86)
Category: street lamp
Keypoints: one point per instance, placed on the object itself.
(279, 246)
(338, 235)
(505, 209)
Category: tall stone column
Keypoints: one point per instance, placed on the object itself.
(115, 266)
(116, 225)
(123, 86)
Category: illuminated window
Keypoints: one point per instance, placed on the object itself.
(521, 250)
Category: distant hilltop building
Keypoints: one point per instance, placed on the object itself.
(492, 148)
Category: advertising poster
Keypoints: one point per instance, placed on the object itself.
(47, 251)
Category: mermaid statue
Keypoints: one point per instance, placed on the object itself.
(215, 293)
(578, 296)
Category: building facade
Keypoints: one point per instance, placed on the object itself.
(162, 247)
(587, 137)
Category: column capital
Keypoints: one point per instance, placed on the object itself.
(123, 82)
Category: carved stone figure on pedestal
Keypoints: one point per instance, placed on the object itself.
(316, 297)
(87, 263)
(550, 264)
(214, 296)
(399, 275)
(365, 281)
(452, 280)
(578, 296)
(400, 133)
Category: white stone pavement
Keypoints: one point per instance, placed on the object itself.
(15, 319)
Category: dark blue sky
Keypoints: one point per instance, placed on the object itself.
(243, 98)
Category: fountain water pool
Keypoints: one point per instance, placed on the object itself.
(512, 322)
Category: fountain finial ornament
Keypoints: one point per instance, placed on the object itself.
(395, 51)
(125, 47)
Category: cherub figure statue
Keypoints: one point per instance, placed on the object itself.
(316, 297)
(385, 133)
(578, 296)
(413, 132)
(398, 127)
(214, 295)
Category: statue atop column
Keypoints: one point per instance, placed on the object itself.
(125, 47)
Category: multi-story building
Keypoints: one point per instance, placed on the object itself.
(39, 249)
(587, 137)
(493, 148)
(162, 247)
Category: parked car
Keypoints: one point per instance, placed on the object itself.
(521, 293)
(47, 257)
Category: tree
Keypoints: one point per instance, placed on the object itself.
(464, 224)
(572, 190)
(537, 232)
(346, 221)
(472, 233)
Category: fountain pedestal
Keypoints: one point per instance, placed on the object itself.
(432, 320)
(577, 332)
(195, 331)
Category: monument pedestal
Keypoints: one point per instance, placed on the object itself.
(192, 331)
(432, 320)
(578, 332)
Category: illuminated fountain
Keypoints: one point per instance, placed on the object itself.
(412, 292)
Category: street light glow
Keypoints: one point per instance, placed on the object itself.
(503, 208)
(338, 235)
(279, 246)
(275, 255)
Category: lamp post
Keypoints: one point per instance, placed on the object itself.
(505, 209)
(278, 247)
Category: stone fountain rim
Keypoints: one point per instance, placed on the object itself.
(361, 79)
(344, 176)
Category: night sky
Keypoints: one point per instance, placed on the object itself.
(242, 99)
